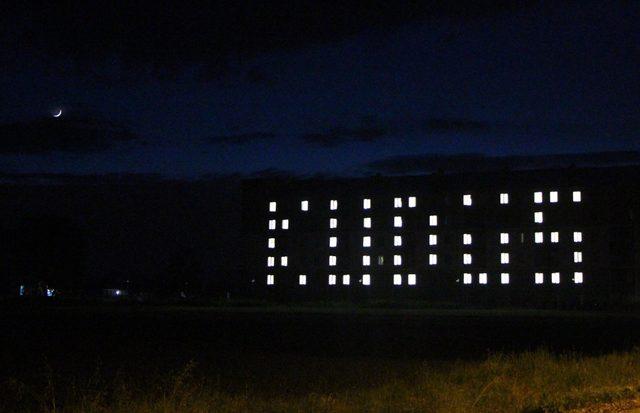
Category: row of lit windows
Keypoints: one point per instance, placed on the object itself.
(366, 204)
(346, 279)
(467, 278)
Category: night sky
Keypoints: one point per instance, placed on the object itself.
(255, 88)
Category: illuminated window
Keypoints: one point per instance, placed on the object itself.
(411, 279)
(271, 261)
(366, 241)
(537, 197)
(504, 278)
(332, 279)
(577, 236)
(433, 220)
(397, 202)
(467, 278)
(285, 224)
(466, 200)
(304, 205)
(482, 278)
(366, 203)
(397, 279)
(555, 237)
(553, 197)
(333, 223)
(466, 239)
(466, 259)
(272, 206)
(271, 243)
(333, 242)
(433, 239)
(577, 256)
(577, 196)
(284, 261)
(302, 279)
(412, 202)
(539, 237)
(555, 278)
(271, 279)
(333, 205)
(539, 278)
(380, 260)
(577, 277)
(504, 258)
(433, 259)
(333, 260)
(346, 279)
(366, 279)
(504, 198)
(504, 238)
(272, 224)
(366, 260)
(397, 260)
(366, 222)
(397, 222)
(537, 217)
(397, 241)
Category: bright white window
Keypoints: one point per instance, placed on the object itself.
(366, 260)
(271, 279)
(466, 239)
(302, 279)
(332, 279)
(577, 256)
(577, 277)
(397, 202)
(553, 197)
(537, 197)
(412, 202)
(433, 239)
(333, 260)
(366, 241)
(397, 222)
(466, 259)
(555, 278)
(366, 279)
(539, 278)
(271, 243)
(346, 279)
(482, 278)
(504, 198)
(333, 223)
(333, 242)
(467, 278)
(433, 220)
(366, 203)
(555, 237)
(366, 222)
(271, 261)
(397, 240)
(504, 278)
(504, 238)
(433, 259)
(285, 224)
(504, 258)
(272, 206)
(466, 200)
(272, 224)
(538, 217)
(411, 279)
(284, 261)
(577, 236)
(577, 196)
(397, 279)
(333, 204)
(538, 237)
(397, 260)
(304, 205)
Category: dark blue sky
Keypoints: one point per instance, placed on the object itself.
(548, 77)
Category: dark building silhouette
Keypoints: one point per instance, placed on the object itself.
(528, 237)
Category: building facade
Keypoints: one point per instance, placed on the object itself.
(518, 237)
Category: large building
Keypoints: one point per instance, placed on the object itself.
(531, 237)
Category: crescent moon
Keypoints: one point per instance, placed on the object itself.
(58, 114)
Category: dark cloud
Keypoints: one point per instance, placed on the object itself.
(241, 138)
(341, 135)
(426, 163)
(76, 135)
(455, 125)
(78, 179)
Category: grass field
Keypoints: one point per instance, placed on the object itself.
(159, 359)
